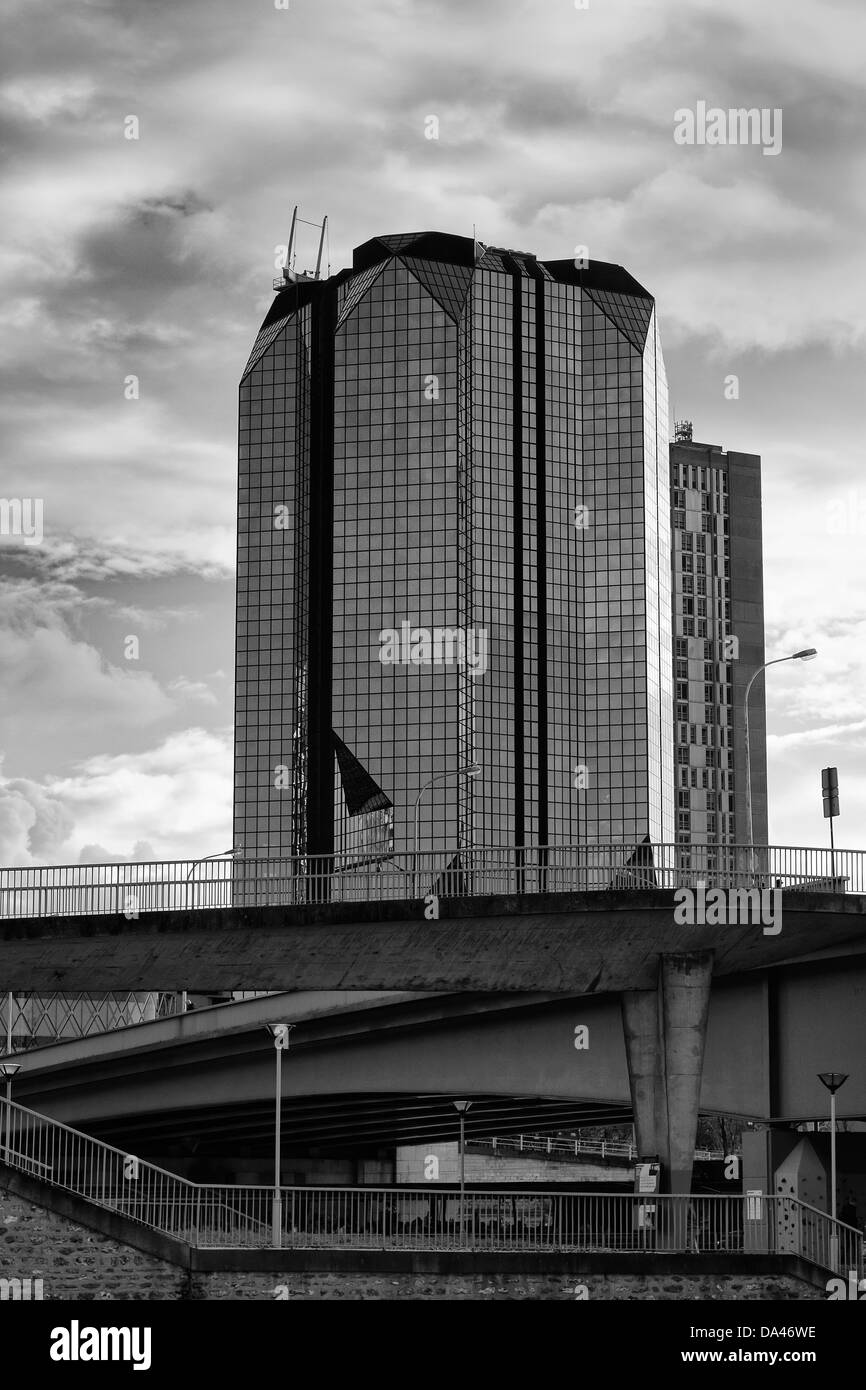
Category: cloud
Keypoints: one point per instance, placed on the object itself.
(854, 734)
(62, 693)
(141, 852)
(50, 679)
(192, 690)
(172, 801)
(153, 258)
(34, 825)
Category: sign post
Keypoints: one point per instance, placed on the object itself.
(830, 790)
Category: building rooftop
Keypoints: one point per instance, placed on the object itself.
(464, 251)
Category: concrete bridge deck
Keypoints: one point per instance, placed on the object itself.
(576, 943)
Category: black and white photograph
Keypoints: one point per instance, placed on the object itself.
(432, 670)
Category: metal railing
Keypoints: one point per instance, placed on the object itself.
(31, 1020)
(194, 885)
(559, 1147)
(388, 1218)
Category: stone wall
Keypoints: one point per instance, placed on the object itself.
(74, 1261)
(314, 1287)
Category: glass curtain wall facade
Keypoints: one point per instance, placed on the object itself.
(454, 547)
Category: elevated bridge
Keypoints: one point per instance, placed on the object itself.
(372, 1069)
(622, 961)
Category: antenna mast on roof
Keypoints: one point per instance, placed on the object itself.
(290, 275)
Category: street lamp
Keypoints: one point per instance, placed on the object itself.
(8, 1069)
(462, 1106)
(280, 1034)
(469, 770)
(204, 860)
(808, 654)
(833, 1080)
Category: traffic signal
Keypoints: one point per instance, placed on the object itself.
(830, 789)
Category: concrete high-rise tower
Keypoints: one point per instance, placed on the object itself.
(718, 603)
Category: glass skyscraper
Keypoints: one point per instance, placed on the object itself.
(454, 547)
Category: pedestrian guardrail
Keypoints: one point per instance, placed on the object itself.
(410, 1218)
(200, 885)
(30, 1019)
(557, 1146)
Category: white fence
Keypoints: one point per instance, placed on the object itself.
(387, 1218)
(196, 885)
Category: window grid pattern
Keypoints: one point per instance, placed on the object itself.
(273, 596)
(493, 576)
(616, 666)
(396, 548)
(467, 684)
(528, 577)
(423, 531)
(657, 560)
(571, 808)
(629, 313)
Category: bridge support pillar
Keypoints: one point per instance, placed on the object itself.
(665, 1030)
(640, 1024)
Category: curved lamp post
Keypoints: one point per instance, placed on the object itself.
(469, 770)
(206, 857)
(808, 654)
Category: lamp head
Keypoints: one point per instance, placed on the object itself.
(808, 654)
(833, 1080)
(9, 1069)
(280, 1034)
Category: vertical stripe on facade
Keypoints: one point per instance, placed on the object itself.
(320, 824)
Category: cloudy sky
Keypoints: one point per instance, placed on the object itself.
(153, 258)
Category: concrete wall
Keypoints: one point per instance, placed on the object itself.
(821, 1026)
(413, 1162)
(747, 623)
(296, 1171)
